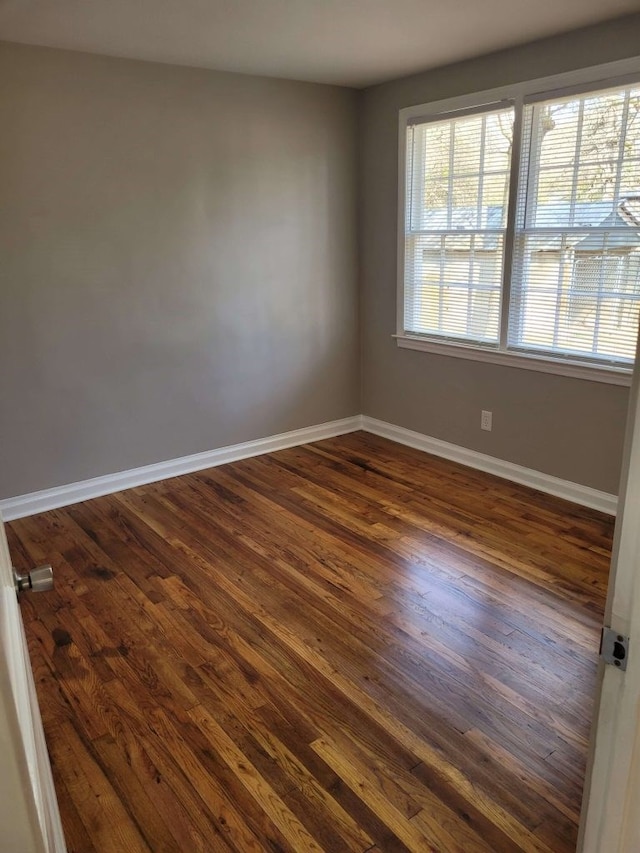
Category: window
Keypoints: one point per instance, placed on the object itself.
(522, 228)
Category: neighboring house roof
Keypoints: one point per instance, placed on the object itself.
(629, 209)
(625, 241)
(585, 214)
(463, 218)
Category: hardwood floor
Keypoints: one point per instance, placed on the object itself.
(348, 646)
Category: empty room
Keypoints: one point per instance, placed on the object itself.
(320, 457)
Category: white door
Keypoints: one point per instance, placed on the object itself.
(29, 817)
(611, 805)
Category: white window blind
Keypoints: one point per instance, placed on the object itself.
(558, 277)
(576, 281)
(457, 188)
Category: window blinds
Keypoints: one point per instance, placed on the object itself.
(573, 236)
(457, 191)
(576, 273)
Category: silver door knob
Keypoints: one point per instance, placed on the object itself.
(37, 580)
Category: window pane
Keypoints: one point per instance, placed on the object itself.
(468, 145)
(455, 286)
(575, 280)
(573, 302)
(578, 149)
(459, 168)
(458, 182)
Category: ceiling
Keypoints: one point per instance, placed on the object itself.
(346, 42)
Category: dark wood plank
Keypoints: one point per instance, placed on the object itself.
(347, 646)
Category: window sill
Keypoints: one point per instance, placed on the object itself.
(523, 361)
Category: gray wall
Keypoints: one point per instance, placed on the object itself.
(569, 428)
(178, 262)
(178, 270)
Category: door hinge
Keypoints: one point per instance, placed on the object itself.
(614, 648)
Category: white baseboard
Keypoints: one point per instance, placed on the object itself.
(574, 492)
(24, 505)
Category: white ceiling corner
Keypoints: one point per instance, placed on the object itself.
(344, 42)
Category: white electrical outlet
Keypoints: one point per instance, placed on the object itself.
(485, 420)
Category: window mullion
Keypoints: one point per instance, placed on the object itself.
(621, 146)
(443, 249)
(560, 289)
(472, 259)
(576, 165)
(601, 290)
(509, 238)
(483, 147)
(479, 222)
(452, 145)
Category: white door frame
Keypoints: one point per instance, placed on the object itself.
(29, 814)
(610, 821)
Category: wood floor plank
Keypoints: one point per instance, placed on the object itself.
(390, 719)
(346, 646)
(104, 815)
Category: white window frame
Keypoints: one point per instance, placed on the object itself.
(601, 76)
